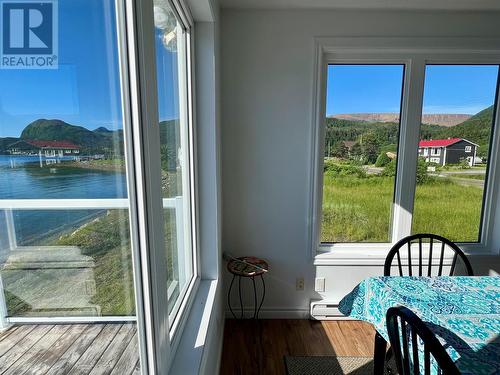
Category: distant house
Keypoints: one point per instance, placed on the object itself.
(48, 149)
(448, 151)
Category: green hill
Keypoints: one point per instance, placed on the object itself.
(385, 132)
(101, 140)
(477, 129)
(6, 142)
(58, 130)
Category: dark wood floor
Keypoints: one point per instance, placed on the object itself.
(258, 347)
(70, 349)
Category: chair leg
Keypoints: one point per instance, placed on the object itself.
(388, 356)
(379, 355)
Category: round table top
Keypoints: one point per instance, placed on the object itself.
(243, 266)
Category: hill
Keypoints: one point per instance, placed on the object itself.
(385, 132)
(476, 129)
(100, 140)
(433, 119)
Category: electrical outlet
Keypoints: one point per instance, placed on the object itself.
(299, 284)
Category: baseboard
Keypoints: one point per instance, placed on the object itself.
(272, 313)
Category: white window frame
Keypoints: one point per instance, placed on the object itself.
(436, 151)
(415, 54)
(468, 149)
(159, 335)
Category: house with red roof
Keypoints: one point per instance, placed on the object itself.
(448, 151)
(48, 149)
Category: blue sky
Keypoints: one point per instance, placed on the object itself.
(84, 90)
(377, 88)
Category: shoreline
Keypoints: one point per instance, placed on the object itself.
(115, 165)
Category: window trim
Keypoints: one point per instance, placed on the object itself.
(140, 72)
(424, 51)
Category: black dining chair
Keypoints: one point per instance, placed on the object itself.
(405, 327)
(437, 245)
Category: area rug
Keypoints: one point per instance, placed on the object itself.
(330, 365)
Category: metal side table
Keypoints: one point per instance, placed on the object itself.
(247, 267)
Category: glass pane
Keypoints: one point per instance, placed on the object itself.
(171, 62)
(67, 263)
(61, 137)
(454, 150)
(361, 140)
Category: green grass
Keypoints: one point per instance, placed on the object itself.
(359, 209)
(107, 241)
(468, 175)
(356, 209)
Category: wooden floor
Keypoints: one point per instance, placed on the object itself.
(70, 349)
(258, 346)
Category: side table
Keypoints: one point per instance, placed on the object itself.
(248, 267)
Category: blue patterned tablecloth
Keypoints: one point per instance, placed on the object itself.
(464, 312)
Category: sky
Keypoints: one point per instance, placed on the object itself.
(85, 89)
(377, 88)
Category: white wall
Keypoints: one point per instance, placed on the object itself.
(267, 75)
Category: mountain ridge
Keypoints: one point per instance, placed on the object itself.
(441, 119)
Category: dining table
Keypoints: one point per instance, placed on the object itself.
(462, 311)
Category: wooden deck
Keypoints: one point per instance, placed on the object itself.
(70, 349)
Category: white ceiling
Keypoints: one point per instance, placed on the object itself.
(364, 4)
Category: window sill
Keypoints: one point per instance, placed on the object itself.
(374, 254)
(188, 357)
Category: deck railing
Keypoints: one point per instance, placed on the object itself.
(9, 244)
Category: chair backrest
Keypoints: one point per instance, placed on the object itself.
(414, 344)
(431, 250)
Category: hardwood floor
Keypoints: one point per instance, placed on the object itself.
(258, 346)
(70, 349)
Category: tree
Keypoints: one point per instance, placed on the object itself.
(390, 169)
(422, 175)
(356, 152)
(339, 150)
(371, 147)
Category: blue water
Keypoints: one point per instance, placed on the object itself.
(22, 177)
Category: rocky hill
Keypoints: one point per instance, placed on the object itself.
(431, 119)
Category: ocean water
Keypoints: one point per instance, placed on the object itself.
(22, 177)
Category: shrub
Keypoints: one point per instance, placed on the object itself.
(341, 170)
(390, 169)
(422, 176)
(464, 164)
(382, 160)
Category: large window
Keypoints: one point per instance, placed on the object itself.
(407, 148)
(450, 190)
(361, 143)
(83, 183)
(65, 247)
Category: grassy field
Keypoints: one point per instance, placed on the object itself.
(359, 209)
(469, 176)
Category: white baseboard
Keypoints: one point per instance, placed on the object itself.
(272, 313)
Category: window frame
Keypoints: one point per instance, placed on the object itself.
(424, 51)
(138, 70)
